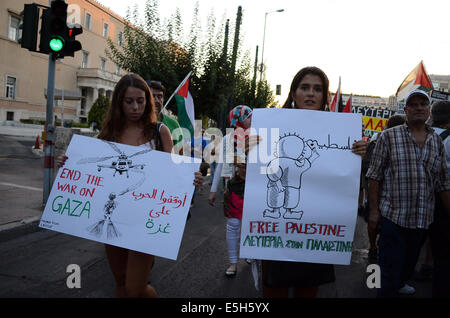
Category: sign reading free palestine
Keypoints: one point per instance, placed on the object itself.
(302, 186)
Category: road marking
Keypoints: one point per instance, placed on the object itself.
(20, 186)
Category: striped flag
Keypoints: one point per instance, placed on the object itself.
(348, 106)
(417, 79)
(337, 99)
(185, 105)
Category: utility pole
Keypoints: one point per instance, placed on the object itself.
(264, 39)
(50, 130)
(222, 116)
(233, 60)
(255, 72)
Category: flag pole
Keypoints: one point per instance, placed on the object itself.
(176, 90)
(336, 110)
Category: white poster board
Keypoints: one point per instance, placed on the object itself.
(131, 197)
(302, 186)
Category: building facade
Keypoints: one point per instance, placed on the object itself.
(78, 80)
(367, 101)
(441, 82)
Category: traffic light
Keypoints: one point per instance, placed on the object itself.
(58, 26)
(72, 45)
(278, 90)
(54, 29)
(29, 26)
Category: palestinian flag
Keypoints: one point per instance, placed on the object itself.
(348, 106)
(185, 106)
(337, 99)
(417, 79)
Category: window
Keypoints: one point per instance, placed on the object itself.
(117, 70)
(9, 115)
(120, 38)
(14, 32)
(103, 64)
(10, 87)
(88, 21)
(105, 29)
(85, 60)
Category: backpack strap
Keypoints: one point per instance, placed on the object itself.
(444, 134)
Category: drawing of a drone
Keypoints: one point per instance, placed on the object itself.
(122, 164)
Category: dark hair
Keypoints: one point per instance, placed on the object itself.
(156, 85)
(114, 122)
(299, 77)
(440, 113)
(395, 120)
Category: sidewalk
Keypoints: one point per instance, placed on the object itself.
(20, 130)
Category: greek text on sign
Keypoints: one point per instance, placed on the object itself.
(300, 201)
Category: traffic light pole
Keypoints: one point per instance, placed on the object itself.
(50, 130)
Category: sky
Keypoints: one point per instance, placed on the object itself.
(372, 45)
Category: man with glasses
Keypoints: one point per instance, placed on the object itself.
(158, 92)
(407, 168)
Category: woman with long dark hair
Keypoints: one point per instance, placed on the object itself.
(131, 120)
(309, 90)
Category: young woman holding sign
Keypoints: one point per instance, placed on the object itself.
(131, 120)
(309, 90)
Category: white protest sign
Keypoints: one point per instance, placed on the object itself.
(302, 186)
(132, 197)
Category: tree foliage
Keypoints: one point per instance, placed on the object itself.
(98, 111)
(221, 72)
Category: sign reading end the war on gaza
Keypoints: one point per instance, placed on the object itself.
(131, 197)
(302, 186)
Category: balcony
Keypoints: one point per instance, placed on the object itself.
(96, 78)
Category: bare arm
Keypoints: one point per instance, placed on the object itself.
(215, 183)
(166, 139)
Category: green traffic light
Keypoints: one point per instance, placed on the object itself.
(56, 44)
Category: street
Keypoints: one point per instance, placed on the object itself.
(21, 175)
(34, 261)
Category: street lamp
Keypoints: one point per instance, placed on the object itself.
(264, 39)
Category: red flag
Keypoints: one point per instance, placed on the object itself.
(333, 103)
(348, 106)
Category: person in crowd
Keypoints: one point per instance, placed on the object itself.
(213, 161)
(233, 206)
(309, 90)
(240, 119)
(408, 166)
(131, 120)
(439, 229)
(198, 145)
(159, 92)
(394, 120)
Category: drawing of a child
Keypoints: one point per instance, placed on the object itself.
(285, 172)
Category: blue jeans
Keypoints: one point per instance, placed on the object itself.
(399, 249)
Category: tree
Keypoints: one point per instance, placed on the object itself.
(98, 111)
(160, 51)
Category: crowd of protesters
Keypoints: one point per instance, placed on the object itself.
(405, 176)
